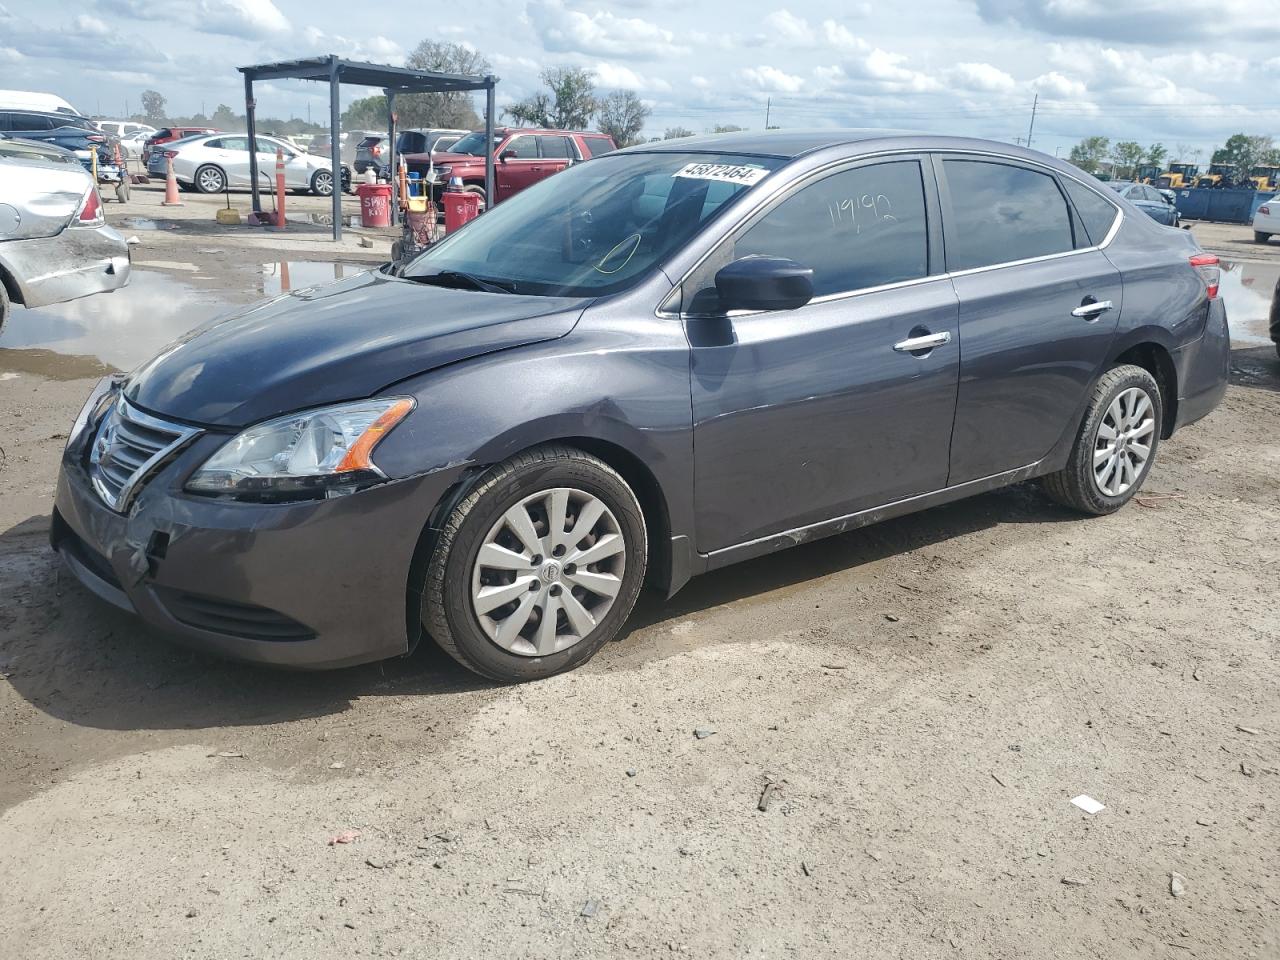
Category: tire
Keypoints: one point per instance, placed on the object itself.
(1076, 485)
(524, 485)
(478, 191)
(210, 179)
(5, 307)
(1260, 237)
(322, 183)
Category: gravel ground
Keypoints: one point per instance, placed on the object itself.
(919, 701)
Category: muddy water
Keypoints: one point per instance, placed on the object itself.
(1247, 288)
(117, 331)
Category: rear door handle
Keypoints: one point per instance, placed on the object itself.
(924, 342)
(1091, 311)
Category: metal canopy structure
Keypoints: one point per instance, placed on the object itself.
(335, 71)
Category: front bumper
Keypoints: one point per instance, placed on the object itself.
(75, 263)
(312, 585)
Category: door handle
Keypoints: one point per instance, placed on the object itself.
(924, 342)
(1091, 311)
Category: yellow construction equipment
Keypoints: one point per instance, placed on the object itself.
(1178, 176)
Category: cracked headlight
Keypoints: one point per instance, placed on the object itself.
(308, 455)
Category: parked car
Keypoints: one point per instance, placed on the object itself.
(58, 246)
(211, 164)
(372, 150)
(120, 129)
(168, 135)
(22, 149)
(1266, 221)
(1148, 199)
(35, 100)
(65, 130)
(157, 159)
(524, 156)
(650, 366)
(371, 153)
(134, 144)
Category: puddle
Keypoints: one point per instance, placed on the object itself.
(321, 219)
(1247, 289)
(105, 332)
(146, 224)
(289, 275)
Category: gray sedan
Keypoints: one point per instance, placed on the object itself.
(665, 361)
(54, 241)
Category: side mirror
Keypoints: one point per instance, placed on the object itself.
(764, 283)
(506, 155)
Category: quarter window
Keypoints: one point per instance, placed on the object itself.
(1097, 214)
(859, 228)
(598, 145)
(1002, 213)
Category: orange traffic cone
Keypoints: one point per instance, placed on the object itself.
(171, 187)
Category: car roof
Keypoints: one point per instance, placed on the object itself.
(790, 144)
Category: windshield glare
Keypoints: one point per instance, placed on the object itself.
(597, 227)
(473, 144)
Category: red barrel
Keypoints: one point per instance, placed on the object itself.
(375, 204)
(459, 208)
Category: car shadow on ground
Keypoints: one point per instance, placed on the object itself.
(80, 660)
(1256, 367)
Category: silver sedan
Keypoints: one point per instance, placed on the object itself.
(55, 244)
(212, 164)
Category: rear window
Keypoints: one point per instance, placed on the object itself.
(369, 142)
(411, 142)
(1002, 213)
(1095, 212)
(598, 145)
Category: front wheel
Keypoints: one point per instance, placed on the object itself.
(538, 567)
(322, 183)
(1116, 445)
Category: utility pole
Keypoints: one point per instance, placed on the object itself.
(1031, 129)
(768, 105)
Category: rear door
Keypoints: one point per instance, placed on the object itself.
(1039, 304)
(809, 414)
(556, 153)
(232, 154)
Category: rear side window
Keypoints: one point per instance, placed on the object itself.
(1096, 213)
(597, 146)
(32, 121)
(6, 124)
(1002, 213)
(858, 228)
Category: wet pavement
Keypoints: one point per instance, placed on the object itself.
(117, 331)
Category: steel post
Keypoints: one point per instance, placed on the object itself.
(251, 129)
(335, 130)
(490, 82)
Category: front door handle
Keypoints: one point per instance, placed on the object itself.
(1091, 311)
(925, 341)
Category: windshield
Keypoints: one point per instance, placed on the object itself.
(473, 144)
(597, 227)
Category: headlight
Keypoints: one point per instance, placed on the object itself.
(307, 455)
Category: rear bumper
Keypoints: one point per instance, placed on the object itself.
(311, 585)
(75, 263)
(1203, 368)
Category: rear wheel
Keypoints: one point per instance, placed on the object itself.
(4, 307)
(1260, 237)
(538, 567)
(1116, 445)
(209, 179)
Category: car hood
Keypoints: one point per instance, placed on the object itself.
(342, 341)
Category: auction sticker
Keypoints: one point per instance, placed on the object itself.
(724, 172)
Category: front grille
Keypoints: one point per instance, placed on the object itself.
(243, 620)
(127, 447)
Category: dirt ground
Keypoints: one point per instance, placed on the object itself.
(925, 697)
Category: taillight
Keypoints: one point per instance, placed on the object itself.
(1264, 210)
(170, 154)
(91, 209)
(1206, 265)
(94, 138)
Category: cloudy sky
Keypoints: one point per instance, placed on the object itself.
(1124, 69)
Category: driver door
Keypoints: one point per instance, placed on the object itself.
(518, 166)
(809, 414)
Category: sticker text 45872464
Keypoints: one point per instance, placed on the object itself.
(724, 172)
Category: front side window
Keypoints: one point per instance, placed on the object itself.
(598, 227)
(1001, 213)
(520, 148)
(1097, 213)
(858, 228)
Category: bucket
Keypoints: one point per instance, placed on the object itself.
(375, 204)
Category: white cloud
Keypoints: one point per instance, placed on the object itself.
(247, 19)
(785, 26)
(562, 30)
(840, 37)
(612, 75)
(772, 80)
(87, 41)
(982, 77)
(1054, 86)
(1148, 21)
(377, 49)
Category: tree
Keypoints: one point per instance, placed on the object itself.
(367, 113)
(454, 108)
(1089, 153)
(153, 106)
(675, 133)
(726, 128)
(1125, 157)
(622, 115)
(1185, 153)
(568, 104)
(1243, 153)
(1156, 154)
(224, 118)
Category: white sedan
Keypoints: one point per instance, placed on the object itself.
(212, 164)
(1266, 222)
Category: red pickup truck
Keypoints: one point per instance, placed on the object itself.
(522, 156)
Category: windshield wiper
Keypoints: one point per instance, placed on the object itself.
(455, 278)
